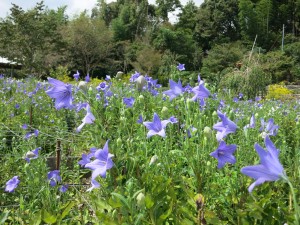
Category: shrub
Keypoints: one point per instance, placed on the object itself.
(278, 92)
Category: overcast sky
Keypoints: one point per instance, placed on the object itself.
(74, 6)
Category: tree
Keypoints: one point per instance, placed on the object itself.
(217, 22)
(32, 37)
(89, 42)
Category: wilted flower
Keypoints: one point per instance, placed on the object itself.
(269, 168)
(224, 154)
(153, 160)
(61, 92)
(12, 184)
(119, 74)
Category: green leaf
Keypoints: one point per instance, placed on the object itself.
(4, 217)
(48, 218)
(67, 209)
(122, 199)
(148, 202)
(37, 219)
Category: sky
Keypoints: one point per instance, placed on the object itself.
(74, 6)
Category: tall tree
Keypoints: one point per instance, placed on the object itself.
(217, 22)
(32, 37)
(89, 42)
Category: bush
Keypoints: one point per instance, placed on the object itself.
(279, 92)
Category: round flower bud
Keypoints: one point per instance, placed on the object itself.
(140, 198)
(207, 132)
(214, 113)
(141, 97)
(153, 160)
(164, 110)
(140, 82)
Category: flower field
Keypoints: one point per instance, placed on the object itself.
(134, 152)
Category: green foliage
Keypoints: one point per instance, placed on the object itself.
(32, 37)
(278, 65)
(89, 43)
(220, 59)
(60, 73)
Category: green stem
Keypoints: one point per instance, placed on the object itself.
(296, 207)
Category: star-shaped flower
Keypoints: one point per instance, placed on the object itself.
(269, 168)
(156, 127)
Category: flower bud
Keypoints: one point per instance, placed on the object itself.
(164, 110)
(140, 200)
(141, 97)
(214, 113)
(140, 82)
(119, 142)
(207, 132)
(153, 160)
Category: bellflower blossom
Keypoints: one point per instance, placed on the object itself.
(140, 120)
(128, 102)
(32, 154)
(225, 127)
(224, 154)
(269, 168)
(156, 127)
(180, 67)
(200, 92)
(12, 184)
(61, 92)
(76, 75)
(252, 123)
(87, 78)
(88, 119)
(269, 128)
(176, 89)
(54, 177)
(100, 165)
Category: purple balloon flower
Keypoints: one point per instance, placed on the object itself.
(224, 154)
(200, 92)
(176, 89)
(61, 92)
(12, 184)
(128, 102)
(140, 120)
(87, 78)
(156, 127)
(269, 128)
(76, 75)
(32, 154)
(54, 177)
(251, 124)
(88, 119)
(225, 127)
(269, 168)
(64, 188)
(100, 165)
(180, 67)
